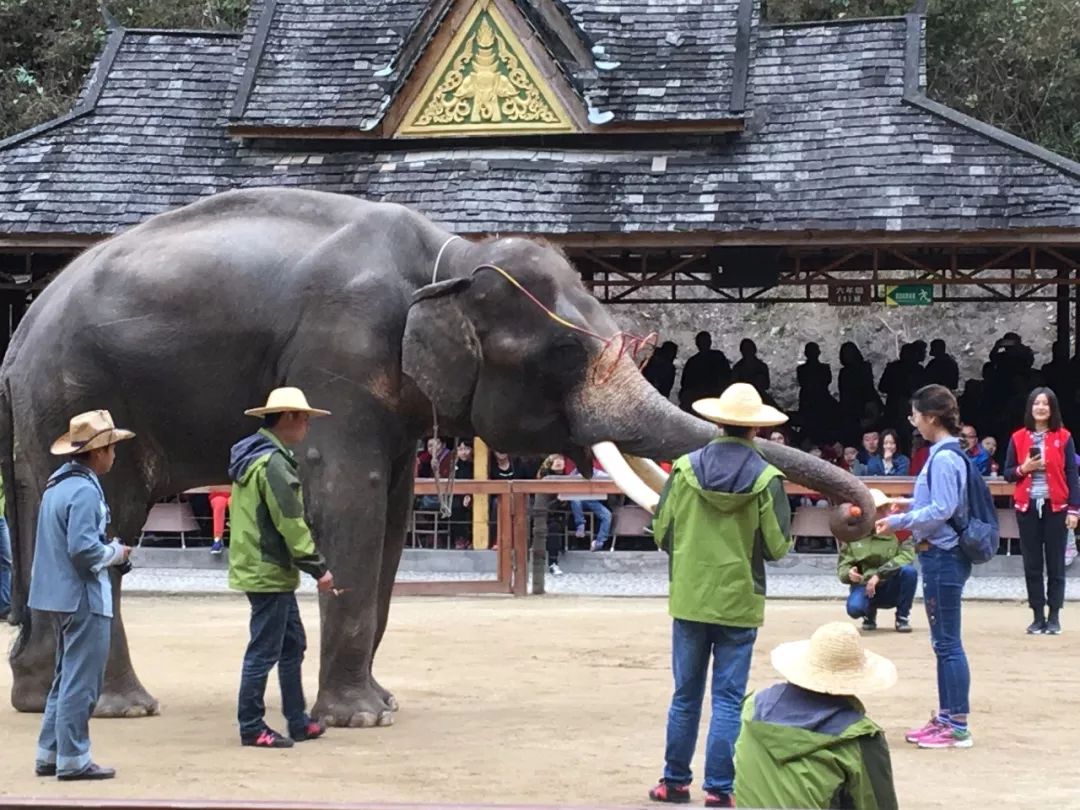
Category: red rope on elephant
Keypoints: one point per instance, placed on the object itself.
(638, 348)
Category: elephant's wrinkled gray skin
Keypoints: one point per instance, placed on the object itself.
(181, 323)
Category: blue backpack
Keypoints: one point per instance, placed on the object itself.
(979, 537)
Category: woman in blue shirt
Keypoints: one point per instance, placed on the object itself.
(945, 567)
(891, 461)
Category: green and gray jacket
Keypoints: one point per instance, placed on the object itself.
(803, 749)
(722, 514)
(880, 554)
(269, 540)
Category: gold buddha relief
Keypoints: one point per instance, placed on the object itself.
(485, 82)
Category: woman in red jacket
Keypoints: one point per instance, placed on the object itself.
(1041, 460)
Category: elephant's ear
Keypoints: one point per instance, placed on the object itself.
(440, 350)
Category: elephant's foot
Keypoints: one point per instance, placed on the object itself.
(28, 694)
(386, 695)
(130, 701)
(354, 707)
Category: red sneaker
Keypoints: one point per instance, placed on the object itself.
(313, 730)
(673, 794)
(719, 799)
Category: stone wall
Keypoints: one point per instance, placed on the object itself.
(780, 330)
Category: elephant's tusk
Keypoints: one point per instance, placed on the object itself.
(623, 474)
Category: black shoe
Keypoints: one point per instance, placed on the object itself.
(312, 731)
(44, 769)
(267, 738)
(90, 772)
(1053, 626)
(903, 625)
(1037, 627)
(869, 624)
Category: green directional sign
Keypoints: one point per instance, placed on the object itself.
(910, 295)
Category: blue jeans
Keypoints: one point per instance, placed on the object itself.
(944, 574)
(277, 637)
(692, 644)
(898, 591)
(602, 513)
(5, 567)
(82, 650)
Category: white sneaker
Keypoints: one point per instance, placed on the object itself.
(555, 570)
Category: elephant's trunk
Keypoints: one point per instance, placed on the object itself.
(852, 512)
(628, 412)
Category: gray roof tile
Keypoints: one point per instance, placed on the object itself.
(812, 157)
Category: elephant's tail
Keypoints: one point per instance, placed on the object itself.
(20, 614)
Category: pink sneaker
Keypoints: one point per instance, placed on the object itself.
(933, 727)
(946, 737)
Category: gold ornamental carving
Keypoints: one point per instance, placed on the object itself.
(485, 82)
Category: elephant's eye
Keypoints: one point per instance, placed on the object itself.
(565, 361)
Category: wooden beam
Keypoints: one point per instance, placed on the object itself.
(480, 517)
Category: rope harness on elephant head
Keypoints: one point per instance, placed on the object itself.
(639, 348)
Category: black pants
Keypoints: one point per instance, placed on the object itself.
(1043, 538)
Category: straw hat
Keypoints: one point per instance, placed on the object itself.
(833, 661)
(741, 405)
(286, 400)
(89, 431)
(880, 498)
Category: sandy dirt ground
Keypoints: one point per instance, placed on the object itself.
(552, 700)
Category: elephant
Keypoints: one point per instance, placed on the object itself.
(179, 323)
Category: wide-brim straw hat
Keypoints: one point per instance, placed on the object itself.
(880, 498)
(286, 400)
(833, 661)
(741, 405)
(89, 431)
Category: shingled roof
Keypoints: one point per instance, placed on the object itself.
(840, 140)
(339, 63)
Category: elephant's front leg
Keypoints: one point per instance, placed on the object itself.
(122, 694)
(350, 524)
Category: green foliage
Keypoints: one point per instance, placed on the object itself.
(1011, 63)
(48, 46)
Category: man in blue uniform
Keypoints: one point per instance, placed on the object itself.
(70, 582)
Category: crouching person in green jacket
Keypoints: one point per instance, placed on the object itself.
(808, 743)
(271, 544)
(722, 514)
(881, 572)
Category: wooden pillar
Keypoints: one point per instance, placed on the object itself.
(1064, 323)
(480, 511)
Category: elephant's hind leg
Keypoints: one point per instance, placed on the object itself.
(123, 695)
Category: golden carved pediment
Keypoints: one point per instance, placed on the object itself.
(485, 82)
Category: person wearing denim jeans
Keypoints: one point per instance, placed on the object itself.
(270, 545)
(880, 571)
(603, 516)
(5, 563)
(945, 567)
(722, 514)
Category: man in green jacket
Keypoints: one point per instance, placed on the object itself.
(270, 545)
(808, 743)
(881, 572)
(722, 514)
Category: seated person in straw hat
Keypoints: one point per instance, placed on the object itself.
(270, 545)
(881, 572)
(70, 582)
(808, 743)
(722, 514)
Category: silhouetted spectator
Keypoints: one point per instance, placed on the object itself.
(818, 410)
(1058, 375)
(751, 368)
(706, 374)
(861, 408)
(942, 369)
(902, 378)
(660, 370)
